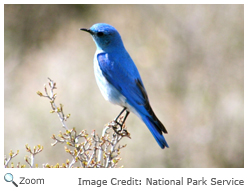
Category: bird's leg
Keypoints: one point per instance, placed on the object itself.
(124, 119)
(126, 115)
(120, 115)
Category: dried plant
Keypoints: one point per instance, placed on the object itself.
(85, 150)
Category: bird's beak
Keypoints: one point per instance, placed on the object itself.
(86, 30)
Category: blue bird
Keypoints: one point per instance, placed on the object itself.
(119, 80)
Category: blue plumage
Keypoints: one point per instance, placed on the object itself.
(119, 80)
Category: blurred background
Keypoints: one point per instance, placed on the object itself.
(190, 58)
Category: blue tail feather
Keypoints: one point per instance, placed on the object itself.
(154, 129)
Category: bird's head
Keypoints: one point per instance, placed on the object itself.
(105, 36)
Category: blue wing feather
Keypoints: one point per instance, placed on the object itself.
(121, 79)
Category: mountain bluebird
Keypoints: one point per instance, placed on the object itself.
(119, 80)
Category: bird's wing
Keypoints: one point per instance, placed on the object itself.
(128, 84)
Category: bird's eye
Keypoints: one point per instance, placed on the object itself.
(99, 34)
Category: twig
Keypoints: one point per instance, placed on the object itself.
(12, 155)
(52, 97)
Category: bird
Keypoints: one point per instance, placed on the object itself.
(119, 80)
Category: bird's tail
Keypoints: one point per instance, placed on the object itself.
(156, 128)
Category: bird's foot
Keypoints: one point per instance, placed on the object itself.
(119, 127)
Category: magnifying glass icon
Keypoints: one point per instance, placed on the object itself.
(8, 177)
